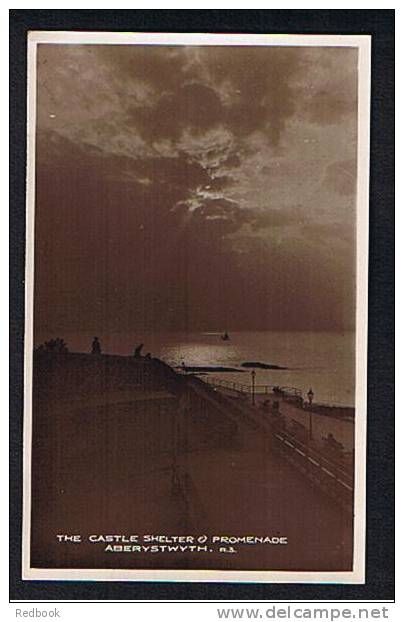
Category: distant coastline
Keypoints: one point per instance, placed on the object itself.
(217, 368)
(259, 365)
(209, 368)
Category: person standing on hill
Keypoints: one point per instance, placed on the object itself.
(96, 346)
(138, 351)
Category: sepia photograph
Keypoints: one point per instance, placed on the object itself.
(196, 307)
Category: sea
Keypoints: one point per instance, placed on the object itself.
(321, 361)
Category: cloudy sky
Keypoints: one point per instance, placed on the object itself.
(195, 188)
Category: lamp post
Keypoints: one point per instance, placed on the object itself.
(310, 396)
(253, 387)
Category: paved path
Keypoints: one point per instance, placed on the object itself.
(249, 489)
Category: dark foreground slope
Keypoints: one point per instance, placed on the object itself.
(126, 446)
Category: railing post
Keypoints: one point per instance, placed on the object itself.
(253, 387)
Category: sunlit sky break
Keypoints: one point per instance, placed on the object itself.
(195, 188)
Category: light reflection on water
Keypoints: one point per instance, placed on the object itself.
(202, 354)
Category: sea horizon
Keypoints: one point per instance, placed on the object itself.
(323, 361)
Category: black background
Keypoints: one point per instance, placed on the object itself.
(380, 453)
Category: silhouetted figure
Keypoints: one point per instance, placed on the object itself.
(96, 346)
(138, 351)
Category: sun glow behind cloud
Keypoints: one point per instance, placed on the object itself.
(218, 153)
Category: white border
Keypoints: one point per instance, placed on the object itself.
(363, 43)
(154, 38)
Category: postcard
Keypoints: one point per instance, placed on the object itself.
(196, 307)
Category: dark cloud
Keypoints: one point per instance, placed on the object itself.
(142, 152)
(195, 107)
(258, 84)
(242, 89)
(113, 248)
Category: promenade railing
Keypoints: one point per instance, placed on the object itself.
(258, 389)
(323, 471)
